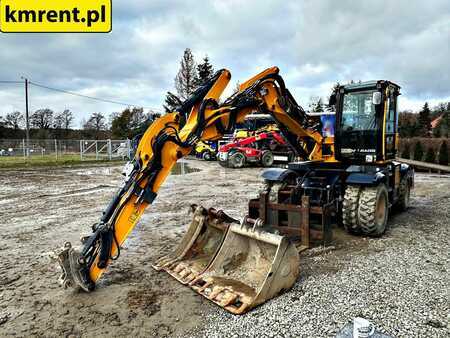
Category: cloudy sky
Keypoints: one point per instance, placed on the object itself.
(314, 42)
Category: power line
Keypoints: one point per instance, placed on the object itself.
(91, 97)
(5, 81)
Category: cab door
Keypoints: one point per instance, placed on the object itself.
(390, 127)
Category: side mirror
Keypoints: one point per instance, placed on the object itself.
(332, 100)
(376, 98)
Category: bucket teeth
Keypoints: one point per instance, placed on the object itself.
(234, 265)
(229, 300)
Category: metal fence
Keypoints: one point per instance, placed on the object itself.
(65, 149)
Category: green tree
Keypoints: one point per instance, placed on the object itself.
(446, 121)
(129, 123)
(437, 131)
(443, 153)
(430, 156)
(443, 129)
(406, 153)
(424, 121)
(186, 80)
(205, 70)
(418, 151)
(119, 125)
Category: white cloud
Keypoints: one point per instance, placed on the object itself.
(315, 44)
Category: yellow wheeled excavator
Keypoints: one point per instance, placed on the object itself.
(240, 264)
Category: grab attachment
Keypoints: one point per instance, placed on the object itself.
(74, 270)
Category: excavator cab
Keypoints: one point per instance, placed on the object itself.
(366, 121)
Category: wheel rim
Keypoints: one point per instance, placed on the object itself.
(238, 160)
(380, 213)
(267, 159)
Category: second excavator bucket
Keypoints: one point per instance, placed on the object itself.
(198, 246)
(251, 267)
(237, 266)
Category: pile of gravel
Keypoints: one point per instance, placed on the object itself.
(399, 282)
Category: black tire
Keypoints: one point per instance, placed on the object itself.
(267, 158)
(224, 164)
(236, 160)
(373, 210)
(404, 195)
(206, 155)
(350, 209)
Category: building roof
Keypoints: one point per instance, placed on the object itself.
(436, 121)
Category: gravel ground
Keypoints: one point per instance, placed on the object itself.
(400, 281)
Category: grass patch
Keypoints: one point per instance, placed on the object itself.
(12, 162)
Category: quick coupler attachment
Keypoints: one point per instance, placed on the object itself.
(75, 272)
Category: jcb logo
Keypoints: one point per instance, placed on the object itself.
(134, 216)
(65, 16)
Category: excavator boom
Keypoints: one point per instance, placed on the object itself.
(168, 139)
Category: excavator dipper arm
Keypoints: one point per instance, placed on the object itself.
(168, 139)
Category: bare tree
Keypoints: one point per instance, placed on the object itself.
(237, 87)
(64, 120)
(42, 118)
(186, 80)
(95, 123)
(111, 118)
(14, 120)
(313, 100)
(318, 108)
(137, 117)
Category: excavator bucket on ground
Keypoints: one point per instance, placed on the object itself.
(251, 267)
(198, 247)
(237, 266)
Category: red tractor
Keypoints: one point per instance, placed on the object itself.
(262, 149)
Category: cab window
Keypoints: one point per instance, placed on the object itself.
(358, 112)
(390, 118)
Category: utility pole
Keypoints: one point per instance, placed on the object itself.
(27, 118)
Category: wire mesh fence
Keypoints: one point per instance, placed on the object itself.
(63, 150)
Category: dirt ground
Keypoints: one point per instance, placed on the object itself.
(41, 209)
